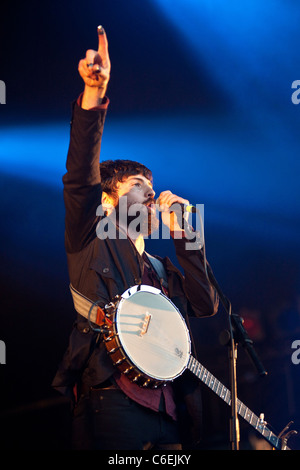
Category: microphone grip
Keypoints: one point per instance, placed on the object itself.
(179, 205)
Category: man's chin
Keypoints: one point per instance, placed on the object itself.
(140, 219)
(142, 226)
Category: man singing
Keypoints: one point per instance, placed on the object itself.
(110, 411)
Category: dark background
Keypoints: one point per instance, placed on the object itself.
(201, 93)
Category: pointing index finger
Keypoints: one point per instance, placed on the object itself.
(103, 44)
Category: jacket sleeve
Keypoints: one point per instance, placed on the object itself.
(202, 296)
(82, 185)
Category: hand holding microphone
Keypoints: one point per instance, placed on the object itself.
(173, 209)
(167, 199)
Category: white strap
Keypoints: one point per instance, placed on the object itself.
(159, 268)
(88, 309)
(83, 305)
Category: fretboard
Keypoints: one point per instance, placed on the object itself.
(216, 386)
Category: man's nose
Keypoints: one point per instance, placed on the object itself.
(150, 193)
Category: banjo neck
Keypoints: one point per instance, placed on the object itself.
(224, 393)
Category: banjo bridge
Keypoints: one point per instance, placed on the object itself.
(146, 323)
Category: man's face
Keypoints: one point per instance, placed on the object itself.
(137, 189)
(137, 195)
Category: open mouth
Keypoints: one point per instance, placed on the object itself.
(151, 207)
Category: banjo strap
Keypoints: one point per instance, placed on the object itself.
(162, 276)
(96, 315)
(159, 269)
(90, 310)
(87, 308)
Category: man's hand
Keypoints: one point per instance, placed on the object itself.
(165, 200)
(95, 72)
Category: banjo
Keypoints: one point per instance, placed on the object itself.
(148, 341)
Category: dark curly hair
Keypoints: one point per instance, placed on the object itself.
(114, 171)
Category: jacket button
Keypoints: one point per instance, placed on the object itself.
(105, 270)
(85, 330)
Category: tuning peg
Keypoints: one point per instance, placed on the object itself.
(284, 435)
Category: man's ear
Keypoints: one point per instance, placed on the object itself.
(107, 203)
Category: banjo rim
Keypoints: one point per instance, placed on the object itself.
(119, 351)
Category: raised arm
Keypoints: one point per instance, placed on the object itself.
(82, 186)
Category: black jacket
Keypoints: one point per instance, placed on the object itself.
(101, 269)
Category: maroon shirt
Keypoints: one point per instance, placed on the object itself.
(150, 398)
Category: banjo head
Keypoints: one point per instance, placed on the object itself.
(152, 333)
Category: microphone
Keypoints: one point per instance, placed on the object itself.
(187, 208)
(184, 207)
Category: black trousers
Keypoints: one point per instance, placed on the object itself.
(106, 419)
